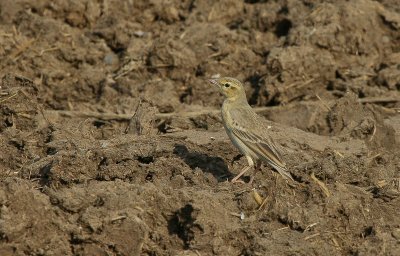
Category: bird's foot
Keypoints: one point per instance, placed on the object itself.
(237, 177)
(238, 181)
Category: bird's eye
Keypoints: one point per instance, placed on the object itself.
(227, 85)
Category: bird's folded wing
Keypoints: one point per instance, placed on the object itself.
(262, 147)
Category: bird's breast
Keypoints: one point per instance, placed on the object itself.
(226, 117)
(228, 121)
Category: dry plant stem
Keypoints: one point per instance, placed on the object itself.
(19, 50)
(263, 204)
(322, 185)
(127, 117)
(312, 236)
(8, 98)
(379, 100)
(298, 84)
(323, 103)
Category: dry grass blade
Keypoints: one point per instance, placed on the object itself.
(10, 97)
(19, 50)
(379, 100)
(312, 236)
(322, 185)
(323, 103)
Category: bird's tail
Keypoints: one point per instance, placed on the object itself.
(283, 171)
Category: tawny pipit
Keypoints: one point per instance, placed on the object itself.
(246, 129)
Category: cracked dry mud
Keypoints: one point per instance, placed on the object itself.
(75, 181)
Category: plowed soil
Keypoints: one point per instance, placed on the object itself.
(111, 140)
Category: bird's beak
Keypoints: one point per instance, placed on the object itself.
(214, 82)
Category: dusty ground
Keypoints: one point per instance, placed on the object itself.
(74, 181)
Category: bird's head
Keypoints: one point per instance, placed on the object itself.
(231, 88)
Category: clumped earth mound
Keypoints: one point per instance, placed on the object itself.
(112, 143)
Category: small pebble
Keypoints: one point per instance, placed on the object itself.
(110, 59)
(139, 33)
(396, 233)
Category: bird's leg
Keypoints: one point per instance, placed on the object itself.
(244, 170)
(256, 169)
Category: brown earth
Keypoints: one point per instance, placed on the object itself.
(76, 181)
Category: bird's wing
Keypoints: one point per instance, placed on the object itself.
(263, 147)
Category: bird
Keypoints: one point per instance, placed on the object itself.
(247, 130)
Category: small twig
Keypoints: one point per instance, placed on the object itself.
(163, 66)
(126, 68)
(298, 84)
(310, 226)
(122, 217)
(14, 124)
(260, 201)
(263, 203)
(239, 215)
(10, 97)
(335, 242)
(338, 153)
(24, 115)
(323, 103)
(372, 158)
(312, 236)
(217, 54)
(280, 229)
(127, 117)
(89, 114)
(373, 133)
(321, 184)
(6, 34)
(48, 50)
(224, 63)
(379, 100)
(14, 55)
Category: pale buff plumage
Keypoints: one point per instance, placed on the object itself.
(246, 129)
